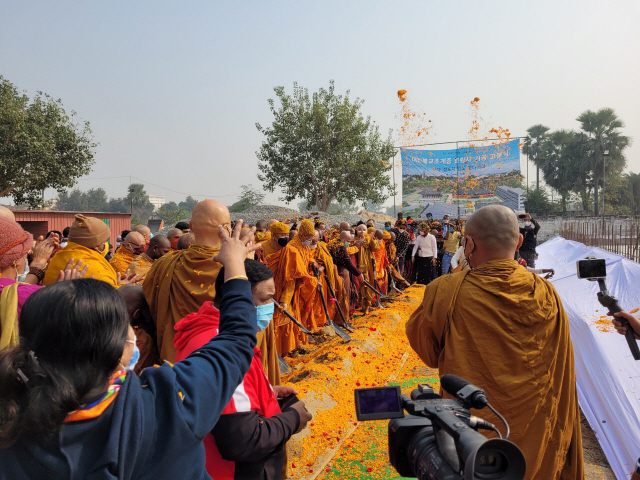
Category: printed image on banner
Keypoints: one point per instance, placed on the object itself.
(459, 181)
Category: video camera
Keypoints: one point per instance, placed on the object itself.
(595, 270)
(438, 439)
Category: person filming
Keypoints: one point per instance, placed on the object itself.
(505, 330)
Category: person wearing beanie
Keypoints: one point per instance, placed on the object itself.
(88, 237)
(18, 278)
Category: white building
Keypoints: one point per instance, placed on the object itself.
(512, 197)
(157, 201)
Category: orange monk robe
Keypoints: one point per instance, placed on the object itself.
(299, 259)
(177, 285)
(365, 265)
(140, 265)
(289, 274)
(505, 330)
(322, 257)
(121, 260)
(381, 264)
(99, 268)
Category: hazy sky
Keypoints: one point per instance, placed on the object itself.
(173, 89)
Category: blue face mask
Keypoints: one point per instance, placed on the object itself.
(134, 358)
(264, 314)
(387, 228)
(346, 244)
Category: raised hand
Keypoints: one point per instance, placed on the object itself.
(71, 271)
(234, 250)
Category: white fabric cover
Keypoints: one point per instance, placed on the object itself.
(607, 375)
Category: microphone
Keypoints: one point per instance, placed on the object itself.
(465, 391)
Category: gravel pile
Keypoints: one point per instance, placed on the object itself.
(265, 212)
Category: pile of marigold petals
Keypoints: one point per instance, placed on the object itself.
(326, 378)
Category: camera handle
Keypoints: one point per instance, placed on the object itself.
(611, 303)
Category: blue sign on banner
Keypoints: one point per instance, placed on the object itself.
(462, 162)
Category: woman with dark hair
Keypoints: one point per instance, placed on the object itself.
(71, 408)
(249, 440)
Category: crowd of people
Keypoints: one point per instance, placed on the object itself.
(178, 336)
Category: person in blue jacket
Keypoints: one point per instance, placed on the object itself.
(71, 407)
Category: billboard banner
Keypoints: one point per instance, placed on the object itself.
(458, 181)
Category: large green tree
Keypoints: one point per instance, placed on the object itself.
(172, 212)
(321, 149)
(560, 168)
(41, 146)
(532, 147)
(601, 146)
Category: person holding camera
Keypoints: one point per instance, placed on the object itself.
(529, 240)
(506, 331)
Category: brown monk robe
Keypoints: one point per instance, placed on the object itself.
(180, 282)
(142, 323)
(347, 272)
(367, 245)
(132, 245)
(505, 330)
(158, 247)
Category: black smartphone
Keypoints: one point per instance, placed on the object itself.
(286, 402)
(592, 268)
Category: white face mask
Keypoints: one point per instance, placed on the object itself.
(313, 246)
(306, 243)
(527, 224)
(21, 277)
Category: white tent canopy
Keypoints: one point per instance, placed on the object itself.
(607, 375)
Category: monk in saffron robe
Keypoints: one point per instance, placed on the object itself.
(366, 246)
(347, 272)
(505, 330)
(381, 262)
(180, 282)
(158, 247)
(87, 241)
(299, 255)
(289, 273)
(389, 242)
(132, 246)
(322, 258)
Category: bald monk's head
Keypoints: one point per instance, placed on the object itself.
(158, 247)
(174, 233)
(393, 236)
(379, 235)
(145, 231)
(345, 236)
(207, 215)
(135, 242)
(5, 212)
(136, 304)
(185, 241)
(492, 233)
(315, 239)
(345, 226)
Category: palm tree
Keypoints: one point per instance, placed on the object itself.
(601, 141)
(532, 147)
(558, 164)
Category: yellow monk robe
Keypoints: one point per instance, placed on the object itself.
(505, 330)
(380, 257)
(178, 284)
(99, 268)
(140, 265)
(366, 268)
(267, 345)
(121, 260)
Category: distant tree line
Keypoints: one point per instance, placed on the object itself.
(579, 165)
(136, 201)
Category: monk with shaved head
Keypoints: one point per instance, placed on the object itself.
(145, 231)
(133, 245)
(174, 235)
(5, 212)
(505, 330)
(181, 281)
(158, 247)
